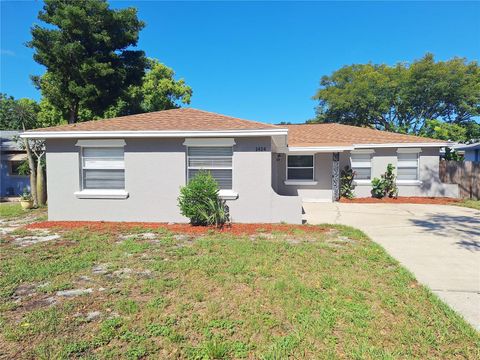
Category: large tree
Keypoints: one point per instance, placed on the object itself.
(85, 48)
(22, 114)
(404, 97)
(158, 91)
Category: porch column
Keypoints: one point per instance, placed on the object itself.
(336, 176)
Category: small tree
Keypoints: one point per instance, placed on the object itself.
(347, 185)
(386, 185)
(199, 201)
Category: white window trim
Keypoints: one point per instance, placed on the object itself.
(300, 181)
(362, 182)
(100, 193)
(409, 150)
(417, 181)
(409, 182)
(225, 194)
(368, 152)
(223, 142)
(101, 143)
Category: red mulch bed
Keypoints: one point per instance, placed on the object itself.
(403, 200)
(234, 229)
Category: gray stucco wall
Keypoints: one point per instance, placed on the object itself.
(428, 174)
(154, 171)
(323, 176)
(322, 191)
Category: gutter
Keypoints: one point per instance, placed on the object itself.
(149, 134)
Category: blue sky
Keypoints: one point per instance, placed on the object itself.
(263, 61)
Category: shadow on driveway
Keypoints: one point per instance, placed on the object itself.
(443, 224)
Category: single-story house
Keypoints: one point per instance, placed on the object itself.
(12, 182)
(131, 168)
(471, 152)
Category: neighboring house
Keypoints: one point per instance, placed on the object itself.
(131, 168)
(11, 157)
(471, 152)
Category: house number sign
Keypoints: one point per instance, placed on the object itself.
(261, 148)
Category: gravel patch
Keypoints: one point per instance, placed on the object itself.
(74, 292)
(35, 239)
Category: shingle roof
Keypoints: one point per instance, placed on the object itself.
(311, 135)
(474, 146)
(185, 119)
(7, 141)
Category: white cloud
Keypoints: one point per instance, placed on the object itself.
(7, 52)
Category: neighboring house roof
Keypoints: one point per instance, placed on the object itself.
(338, 135)
(184, 119)
(464, 147)
(7, 141)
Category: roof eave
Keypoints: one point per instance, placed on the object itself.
(151, 134)
(341, 148)
(404, 145)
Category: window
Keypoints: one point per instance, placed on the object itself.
(103, 168)
(215, 159)
(407, 166)
(362, 165)
(17, 168)
(300, 167)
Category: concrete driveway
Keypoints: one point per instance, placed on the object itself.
(439, 244)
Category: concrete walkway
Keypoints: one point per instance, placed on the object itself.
(439, 244)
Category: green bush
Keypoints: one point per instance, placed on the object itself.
(386, 186)
(347, 184)
(199, 201)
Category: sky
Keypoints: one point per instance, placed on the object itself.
(263, 60)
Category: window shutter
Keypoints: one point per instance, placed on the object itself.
(103, 168)
(217, 160)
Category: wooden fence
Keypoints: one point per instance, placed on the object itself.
(464, 173)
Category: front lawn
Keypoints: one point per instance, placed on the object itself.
(12, 210)
(114, 292)
(473, 204)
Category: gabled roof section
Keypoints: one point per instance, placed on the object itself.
(184, 119)
(338, 135)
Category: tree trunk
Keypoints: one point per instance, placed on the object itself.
(41, 185)
(33, 173)
(73, 114)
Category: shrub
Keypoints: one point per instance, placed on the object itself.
(378, 188)
(26, 195)
(346, 183)
(199, 201)
(386, 186)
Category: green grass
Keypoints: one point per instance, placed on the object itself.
(473, 204)
(303, 295)
(9, 210)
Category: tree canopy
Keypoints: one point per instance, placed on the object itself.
(85, 48)
(17, 114)
(158, 91)
(404, 98)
